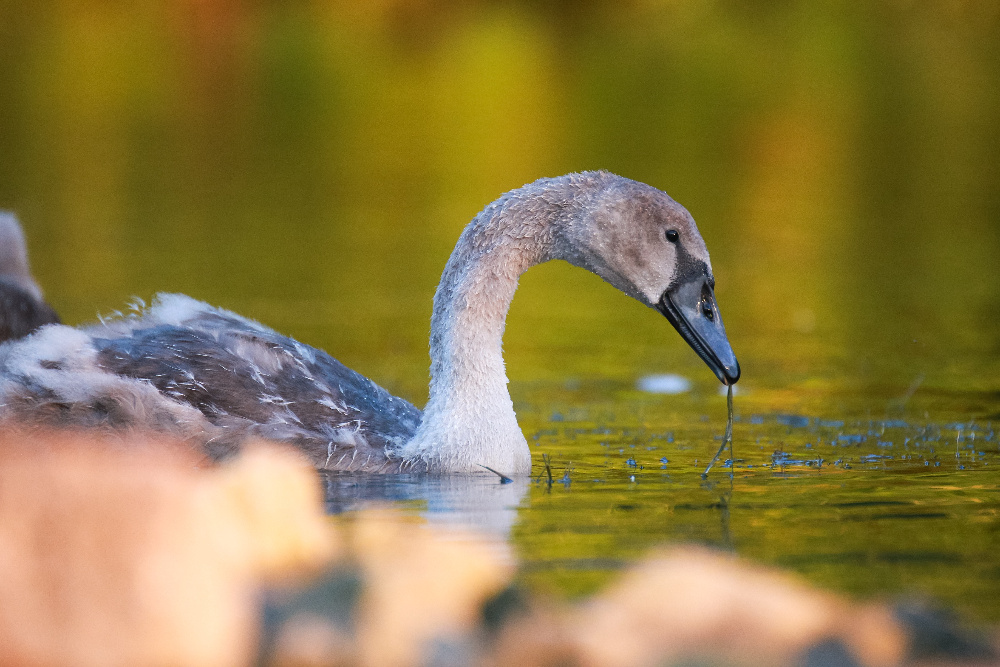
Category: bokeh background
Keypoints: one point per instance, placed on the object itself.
(310, 164)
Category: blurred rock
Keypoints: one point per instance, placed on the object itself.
(312, 640)
(277, 495)
(141, 553)
(136, 555)
(692, 604)
(421, 591)
(424, 584)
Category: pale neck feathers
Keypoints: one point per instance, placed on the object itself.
(469, 420)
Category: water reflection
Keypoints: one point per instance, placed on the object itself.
(479, 502)
(888, 505)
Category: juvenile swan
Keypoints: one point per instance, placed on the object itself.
(206, 374)
(22, 308)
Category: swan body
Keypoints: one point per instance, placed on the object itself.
(22, 308)
(216, 378)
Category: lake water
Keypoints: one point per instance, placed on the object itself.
(310, 166)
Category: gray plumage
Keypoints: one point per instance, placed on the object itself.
(184, 367)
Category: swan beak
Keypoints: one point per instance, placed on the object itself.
(691, 308)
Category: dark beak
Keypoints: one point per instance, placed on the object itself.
(691, 308)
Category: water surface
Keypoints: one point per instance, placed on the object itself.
(310, 165)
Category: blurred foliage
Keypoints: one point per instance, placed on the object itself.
(311, 163)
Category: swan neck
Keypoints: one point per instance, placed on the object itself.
(469, 421)
(471, 305)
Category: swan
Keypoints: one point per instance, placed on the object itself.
(22, 308)
(208, 375)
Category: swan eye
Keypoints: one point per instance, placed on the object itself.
(672, 235)
(706, 310)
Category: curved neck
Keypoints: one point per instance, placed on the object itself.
(469, 420)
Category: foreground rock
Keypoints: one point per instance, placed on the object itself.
(136, 555)
(141, 553)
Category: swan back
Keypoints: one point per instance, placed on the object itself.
(208, 375)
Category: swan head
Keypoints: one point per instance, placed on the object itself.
(647, 245)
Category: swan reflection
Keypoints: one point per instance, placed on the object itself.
(477, 502)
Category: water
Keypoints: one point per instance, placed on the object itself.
(861, 506)
(311, 166)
